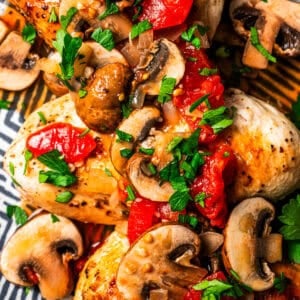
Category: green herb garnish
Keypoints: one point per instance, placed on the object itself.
(280, 283)
(82, 93)
(42, 117)
(189, 35)
(139, 28)
(126, 153)
(123, 136)
(64, 197)
(54, 218)
(111, 9)
(29, 34)
(208, 71)
(53, 17)
(18, 213)
(66, 20)
(148, 151)
(4, 104)
(104, 38)
(130, 192)
(195, 104)
(28, 156)
(186, 219)
(166, 89)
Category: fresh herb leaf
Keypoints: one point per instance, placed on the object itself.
(186, 219)
(53, 17)
(111, 9)
(189, 35)
(212, 287)
(123, 136)
(189, 146)
(148, 151)
(130, 193)
(104, 38)
(208, 71)
(195, 104)
(4, 104)
(280, 283)
(11, 167)
(220, 126)
(166, 89)
(27, 290)
(139, 28)
(54, 218)
(82, 93)
(170, 171)
(54, 160)
(179, 200)
(18, 213)
(174, 143)
(84, 132)
(295, 113)
(64, 197)
(126, 153)
(29, 34)
(254, 38)
(108, 172)
(223, 52)
(58, 44)
(42, 117)
(151, 168)
(290, 218)
(126, 108)
(28, 156)
(179, 184)
(294, 251)
(199, 198)
(56, 178)
(66, 20)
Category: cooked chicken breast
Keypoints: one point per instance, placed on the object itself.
(267, 146)
(93, 200)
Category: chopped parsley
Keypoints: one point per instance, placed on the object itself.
(59, 173)
(82, 93)
(104, 38)
(108, 172)
(54, 218)
(130, 193)
(66, 20)
(28, 156)
(212, 288)
(166, 89)
(208, 71)
(148, 151)
(189, 35)
(223, 52)
(280, 283)
(199, 198)
(53, 17)
(186, 219)
(68, 47)
(111, 9)
(139, 28)
(254, 38)
(29, 34)
(18, 213)
(195, 104)
(126, 153)
(42, 117)
(84, 132)
(4, 104)
(179, 200)
(174, 143)
(123, 136)
(64, 197)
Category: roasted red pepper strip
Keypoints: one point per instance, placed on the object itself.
(165, 13)
(196, 86)
(211, 182)
(63, 137)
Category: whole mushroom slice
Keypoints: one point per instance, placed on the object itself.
(266, 144)
(138, 124)
(163, 59)
(249, 245)
(17, 67)
(277, 23)
(39, 252)
(159, 262)
(97, 278)
(144, 182)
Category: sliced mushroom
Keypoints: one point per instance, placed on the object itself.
(100, 109)
(266, 144)
(146, 184)
(277, 23)
(211, 242)
(17, 67)
(97, 278)
(160, 261)
(137, 125)
(162, 60)
(248, 243)
(3, 30)
(39, 253)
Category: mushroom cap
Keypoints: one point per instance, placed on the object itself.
(160, 260)
(97, 278)
(266, 145)
(46, 248)
(147, 186)
(92, 201)
(247, 243)
(138, 124)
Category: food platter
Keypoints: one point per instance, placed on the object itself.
(279, 85)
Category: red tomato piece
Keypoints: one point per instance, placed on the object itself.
(63, 137)
(165, 13)
(141, 217)
(211, 182)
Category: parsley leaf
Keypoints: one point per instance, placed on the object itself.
(186, 219)
(208, 71)
(4, 104)
(28, 156)
(280, 283)
(66, 20)
(254, 38)
(104, 38)
(29, 34)
(166, 89)
(82, 93)
(53, 160)
(54, 218)
(64, 197)
(199, 198)
(290, 218)
(130, 193)
(212, 287)
(123, 136)
(295, 113)
(202, 99)
(42, 117)
(53, 17)
(179, 200)
(126, 153)
(56, 178)
(111, 9)
(148, 151)
(189, 35)
(139, 28)
(18, 213)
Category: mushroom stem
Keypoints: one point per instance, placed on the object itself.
(267, 27)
